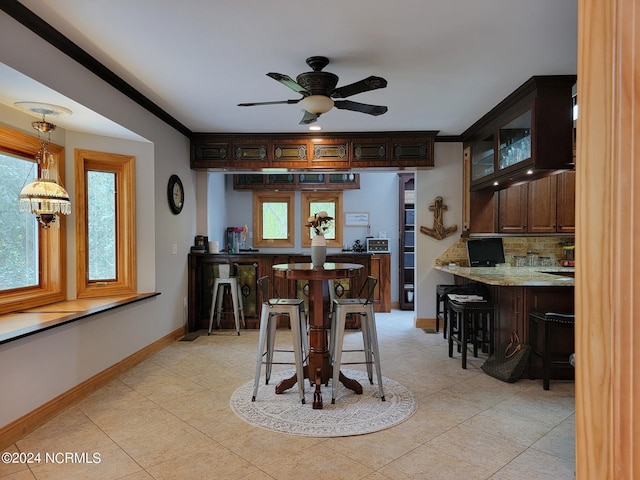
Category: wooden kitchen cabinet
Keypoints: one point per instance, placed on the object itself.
(369, 152)
(329, 153)
(379, 267)
(202, 269)
(412, 152)
(546, 205)
(566, 208)
(209, 152)
(297, 181)
(513, 209)
(338, 151)
(526, 136)
(541, 205)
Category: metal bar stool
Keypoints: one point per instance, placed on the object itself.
(222, 281)
(273, 307)
(549, 320)
(362, 306)
(470, 322)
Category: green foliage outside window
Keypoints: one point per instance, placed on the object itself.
(101, 204)
(274, 220)
(19, 232)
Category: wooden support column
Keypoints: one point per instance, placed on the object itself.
(607, 247)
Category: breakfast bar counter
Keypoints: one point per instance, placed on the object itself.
(515, 276)
(515, 291)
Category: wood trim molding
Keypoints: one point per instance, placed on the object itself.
(123, 166)
(607, 384)
(17, 429)
(53, 248)
(259, 199)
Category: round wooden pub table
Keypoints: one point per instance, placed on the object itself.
(318, 368)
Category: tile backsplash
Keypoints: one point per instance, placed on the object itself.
(513, 246)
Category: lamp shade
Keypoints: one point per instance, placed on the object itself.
(317, 104)
(45, 199)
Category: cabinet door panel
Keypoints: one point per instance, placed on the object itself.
(542, 205)
(567, 202)
(513, 209)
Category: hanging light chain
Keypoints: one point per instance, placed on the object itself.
(43, 156)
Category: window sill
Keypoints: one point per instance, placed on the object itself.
(23, 323)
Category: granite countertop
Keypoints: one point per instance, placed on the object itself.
(515, 276)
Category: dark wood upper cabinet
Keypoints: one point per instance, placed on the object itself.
(338, 152)
(541, 211)
(369, 152)
(297, 181)
(545, 205)
(566, 221)
(512, 207)
(209, 152)
(527, 135)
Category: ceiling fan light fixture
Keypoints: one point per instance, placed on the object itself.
(317, 104)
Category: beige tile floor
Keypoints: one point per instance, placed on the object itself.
(169, 418)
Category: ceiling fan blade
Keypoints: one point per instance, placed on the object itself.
(360, 107)
(287, 81)
(277, 102)
(309, 118)
(369, 83)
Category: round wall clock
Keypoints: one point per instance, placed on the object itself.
(175, 194)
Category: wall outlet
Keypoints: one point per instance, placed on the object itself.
(174, 248)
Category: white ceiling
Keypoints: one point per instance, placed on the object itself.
(447, 63)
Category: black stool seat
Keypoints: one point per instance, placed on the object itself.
(470, 322)
(549, 320)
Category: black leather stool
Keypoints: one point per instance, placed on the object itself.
(549, 320)
(441, 306)
(470, 322)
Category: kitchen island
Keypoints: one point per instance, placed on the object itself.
(515, 291)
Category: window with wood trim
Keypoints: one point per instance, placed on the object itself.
(273, 219)
(330, 202)
(105, 224)
(33, 260)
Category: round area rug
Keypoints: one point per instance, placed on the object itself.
(352, 414)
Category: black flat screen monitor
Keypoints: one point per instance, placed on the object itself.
(485, 252)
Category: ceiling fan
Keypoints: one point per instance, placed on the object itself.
(318, 89)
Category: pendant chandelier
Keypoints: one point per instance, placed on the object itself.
(44, 197)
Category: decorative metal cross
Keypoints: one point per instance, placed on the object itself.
(438, 231)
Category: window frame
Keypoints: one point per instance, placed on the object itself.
(51, 245)
(325, 197)
(124, 168)
(259, 199)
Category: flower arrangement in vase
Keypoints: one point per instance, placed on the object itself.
(320, 222)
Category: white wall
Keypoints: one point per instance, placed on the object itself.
(35, 369)
(444, 180)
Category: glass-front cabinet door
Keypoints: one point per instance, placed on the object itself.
(515, 141)
(482, 158)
